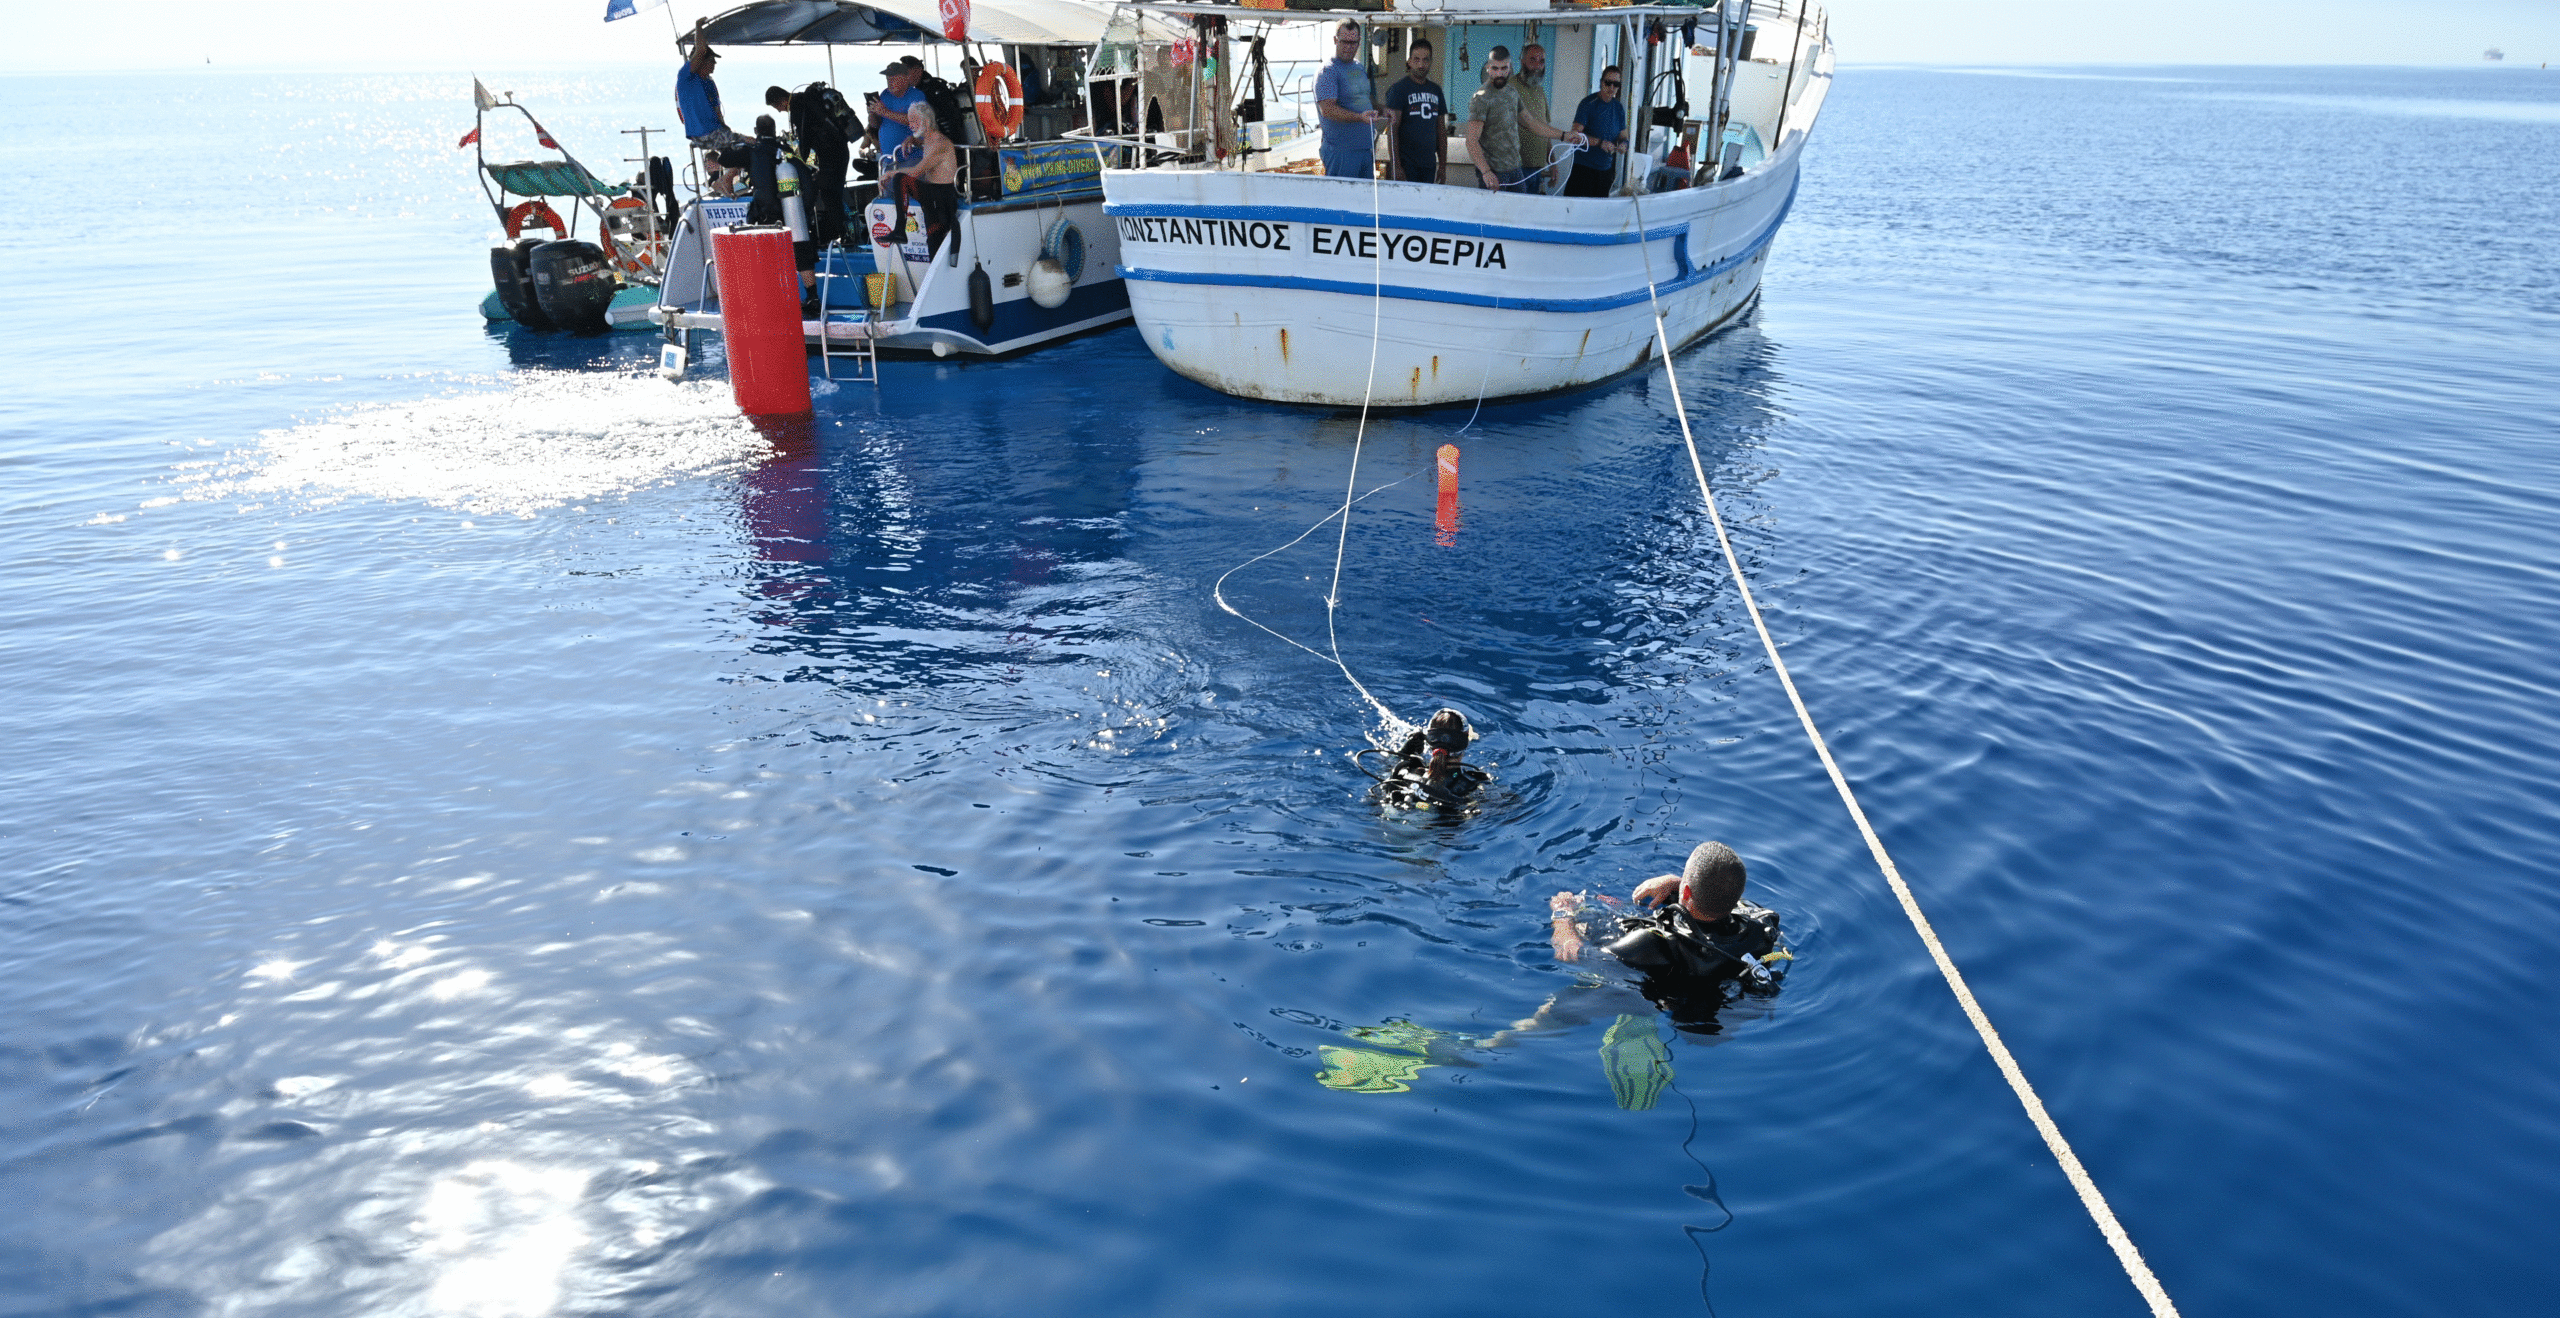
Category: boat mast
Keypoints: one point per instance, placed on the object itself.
(1731, 25)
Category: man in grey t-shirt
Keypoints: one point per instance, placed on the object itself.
(1495, 120)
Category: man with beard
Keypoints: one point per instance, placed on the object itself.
(1495, 120)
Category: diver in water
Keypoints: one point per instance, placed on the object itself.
(1700, 949)
(1430, 769)
(1702, 952)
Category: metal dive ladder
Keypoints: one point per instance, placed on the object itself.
(860, 355)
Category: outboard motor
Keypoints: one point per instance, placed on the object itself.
(575, 285)
(509, 270)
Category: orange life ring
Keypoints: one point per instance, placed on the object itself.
(638, 257)
(540, 212)
(999, 101)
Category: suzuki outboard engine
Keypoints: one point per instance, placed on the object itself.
(575, 285)
(508, 269)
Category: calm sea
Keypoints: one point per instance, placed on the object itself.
(486, 832)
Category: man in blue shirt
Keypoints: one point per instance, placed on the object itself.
(1602, 118)
(1342, 101)
(698, 97)
(897, 97)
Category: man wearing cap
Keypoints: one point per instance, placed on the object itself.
(889, 108)
(698, 97)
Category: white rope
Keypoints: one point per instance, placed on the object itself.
(2135, 1268)
(1377, 310)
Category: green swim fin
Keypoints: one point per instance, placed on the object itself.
(1368, 1071)
(1638, 1063)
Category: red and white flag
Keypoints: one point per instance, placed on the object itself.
(955, 19)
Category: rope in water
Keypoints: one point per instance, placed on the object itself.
(1218, 592)
(2138, 1271)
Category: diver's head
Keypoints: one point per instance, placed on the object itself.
(1444, 744)
(1712, 881)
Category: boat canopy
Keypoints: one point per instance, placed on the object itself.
(1703, 15)
(871, 22)
(550, 178)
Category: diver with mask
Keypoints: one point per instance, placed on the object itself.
(1430, 769)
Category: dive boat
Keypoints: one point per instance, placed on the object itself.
(1029, 259)
(544, 274)
(1253, 273)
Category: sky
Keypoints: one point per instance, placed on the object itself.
(370, 36)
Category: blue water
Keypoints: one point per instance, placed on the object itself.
(487, 832)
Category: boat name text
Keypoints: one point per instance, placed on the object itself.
(1322, 240)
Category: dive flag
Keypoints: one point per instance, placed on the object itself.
(614, 9)
(467, 139)
(955, 19)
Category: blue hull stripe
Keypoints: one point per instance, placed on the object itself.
(1411, 294)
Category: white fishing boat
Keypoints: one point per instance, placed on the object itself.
(1030, 259)
(1254, 274)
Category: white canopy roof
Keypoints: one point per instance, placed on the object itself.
(857, 22)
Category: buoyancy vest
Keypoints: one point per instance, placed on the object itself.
(1672, 942)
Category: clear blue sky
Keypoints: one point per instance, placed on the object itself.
(366, 35)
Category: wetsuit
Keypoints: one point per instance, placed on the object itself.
(829, 152)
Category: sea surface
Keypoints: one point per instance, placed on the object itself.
(485, 831)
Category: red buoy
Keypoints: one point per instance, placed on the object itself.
(760, 319)
(1446, 521)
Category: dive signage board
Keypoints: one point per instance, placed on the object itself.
(1049, 168)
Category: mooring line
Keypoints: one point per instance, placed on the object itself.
(1396, 727)
(2135, 1269)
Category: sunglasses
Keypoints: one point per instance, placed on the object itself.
(1613, 83)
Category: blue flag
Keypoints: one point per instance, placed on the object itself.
(614, 9)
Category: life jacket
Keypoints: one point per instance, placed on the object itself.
(1670, 942)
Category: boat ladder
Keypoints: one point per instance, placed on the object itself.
(859, 353)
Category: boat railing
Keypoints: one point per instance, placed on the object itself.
(1164, 146)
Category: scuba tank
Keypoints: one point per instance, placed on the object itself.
(795, 215)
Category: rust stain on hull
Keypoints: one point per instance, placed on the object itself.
(1284, 347)
(1435, 366)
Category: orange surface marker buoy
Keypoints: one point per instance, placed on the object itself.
(1447, 522)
